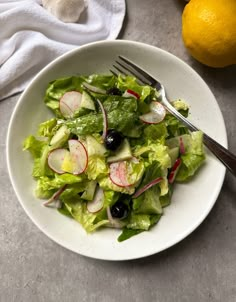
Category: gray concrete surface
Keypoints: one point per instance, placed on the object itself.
(201, 268)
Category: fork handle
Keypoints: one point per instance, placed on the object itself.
(224, 155)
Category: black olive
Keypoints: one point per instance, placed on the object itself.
(119, 210)
(114, 91)
(113, 139)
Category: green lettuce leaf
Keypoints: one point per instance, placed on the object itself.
(46, 186)
(130, 82)
(78, 210)
(123, 121)
(39, 150)
(154, 152)
(96, 168)
(47, 128)
(193, 158)
(148, 202)
(142, 221)
(128, 233)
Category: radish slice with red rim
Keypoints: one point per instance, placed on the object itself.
(105, 121)
(174, 170)
(94, 88)
(156, 115)
(118, 174)
(79, 156)
(115, 174)
(131, 93)
(56, 158)
(69, 103)
(114, 222)
(97, 203)
(147, 186)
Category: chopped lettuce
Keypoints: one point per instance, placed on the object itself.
(152, 152)
(78, 210)
(193, 158)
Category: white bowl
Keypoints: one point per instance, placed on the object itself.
(191, 202)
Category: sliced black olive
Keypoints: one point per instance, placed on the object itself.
(119, 210)
(113, 139)
(114, 91)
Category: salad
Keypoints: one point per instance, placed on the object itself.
(111, 154)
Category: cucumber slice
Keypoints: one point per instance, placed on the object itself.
(89, 190)
(87, 101)
(123, 153)
(60, 137)
(94, 147)
(174, 154)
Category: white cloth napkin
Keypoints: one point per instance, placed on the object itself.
(30, 37)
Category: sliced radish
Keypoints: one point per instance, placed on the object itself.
(174, 170)
(118, 174)
(69, 103)
(181, 145)
(79, 156)
(114, 222)
(105, 121)
(156, 115)
(55, 196)
(94, 88)
(115, 175)
(131, 93)
(147, 186)
(96, 204)
(56, 158)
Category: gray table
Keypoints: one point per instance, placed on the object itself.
(200, 268)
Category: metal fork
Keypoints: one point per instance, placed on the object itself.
(127, 67)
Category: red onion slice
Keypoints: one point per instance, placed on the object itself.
(94, 88)
(55, 196)
(105, 121)
(147, 186)
(181, 145)
(174, 170)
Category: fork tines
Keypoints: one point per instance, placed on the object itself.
(129, 68)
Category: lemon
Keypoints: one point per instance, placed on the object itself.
(209, 31)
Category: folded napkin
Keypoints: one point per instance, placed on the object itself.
(30, 37)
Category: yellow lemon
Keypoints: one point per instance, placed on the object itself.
(209, 31)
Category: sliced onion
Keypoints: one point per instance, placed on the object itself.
(69, 103)
(156, 115)
(96, 204)
(114, 222)
(105, 121)
(55, 196)
(181, 145)
(94, 88)
(174, 170)
(147, 186)
(131, 93)
(56, 158)
(79, 156)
